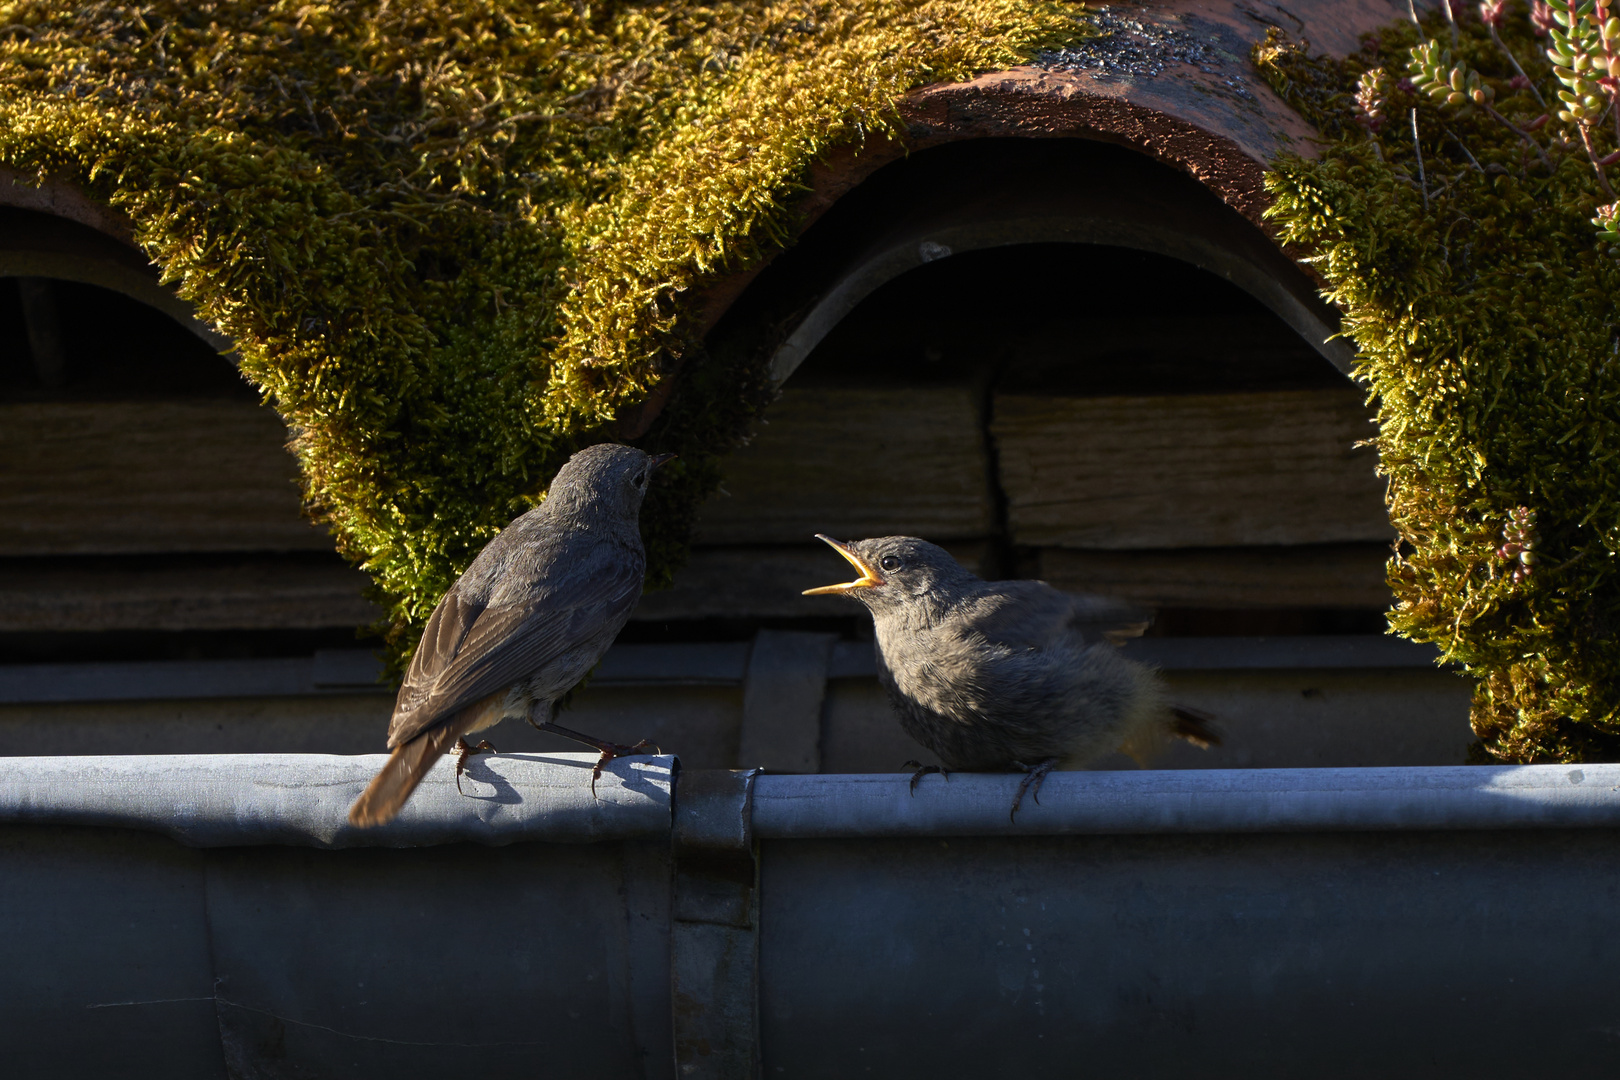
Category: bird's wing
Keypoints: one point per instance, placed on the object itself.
(446, 629)
(469, 652)
(1103, 618)
(1020, 614)
(1031, 614)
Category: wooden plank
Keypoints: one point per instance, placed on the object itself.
(1268, 719)
(254, 594)
(328, 671)
(148, 476)
(699, 663)
(1208, 470)
(1321, 719)
(767, 582)
(1370, 652)
(857, 463)
(167, 680)
(702, 721)
(669, 666)
(1326, 576)
(330, 724)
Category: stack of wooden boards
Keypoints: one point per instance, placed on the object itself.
(1218, 501)
(1256, 500)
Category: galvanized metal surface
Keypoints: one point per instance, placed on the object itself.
(714, 937)
(1191, 801)
(1332, 923)
(231, 800)
(300, 799)
(129, 956)
(1353, 955)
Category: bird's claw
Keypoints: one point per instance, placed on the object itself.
(1033, 775)
(463, 751)
(614, 750)
(922, 771)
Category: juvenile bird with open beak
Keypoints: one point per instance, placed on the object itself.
(527, 621)
(1006, 675)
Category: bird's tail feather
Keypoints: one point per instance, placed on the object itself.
(410, 761)
(1194, 725)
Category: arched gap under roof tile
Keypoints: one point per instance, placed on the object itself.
(107, 345)
(40, 244)
(84, 316)
(988, 195)
(1072, 320)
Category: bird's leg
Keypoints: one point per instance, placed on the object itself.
(553, 708)
(1033, 775)
(924, 770)
(610, 750)
(462, 752)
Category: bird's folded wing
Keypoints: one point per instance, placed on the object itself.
(1021, 614)
(1032, 614)
(447, 628)
(1102, 618)
(498, 646)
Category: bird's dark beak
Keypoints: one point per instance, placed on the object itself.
(867, 580)
(660, 459)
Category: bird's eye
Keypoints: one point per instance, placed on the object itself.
(889, 562)
(641, 481)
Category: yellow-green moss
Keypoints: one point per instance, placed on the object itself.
(451, 239)
(1486, 318)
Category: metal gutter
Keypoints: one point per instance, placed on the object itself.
(301, 799)
(1192, 801)
(239, 800)
(1343, 925)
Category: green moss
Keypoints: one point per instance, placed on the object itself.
(453, 240)
(1485, 315)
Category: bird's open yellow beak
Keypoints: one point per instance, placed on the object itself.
(868, 578)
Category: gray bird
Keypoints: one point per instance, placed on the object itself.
(997, 676)
(527, 621)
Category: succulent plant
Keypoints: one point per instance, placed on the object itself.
(1488, 332)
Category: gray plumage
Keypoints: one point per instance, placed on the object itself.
(525, 623)
(1009, 674)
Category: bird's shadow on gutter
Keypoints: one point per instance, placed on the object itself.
(631, 779)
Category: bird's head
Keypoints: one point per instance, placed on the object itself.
(898, 572)
(606, 477)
